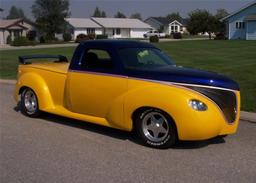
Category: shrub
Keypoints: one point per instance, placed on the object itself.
(167, 36)
(83, 37)
(91, 36)
(177, 35)
(153, 39)
(102, 36)
(9, 39)
(22, 41)
(31, 35)
(67, 37)
(220, 36)
(42, 39)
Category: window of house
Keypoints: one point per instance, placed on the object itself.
(240, 25)
(118, 31)
(96, 60)
(243, 25)
(90, 31)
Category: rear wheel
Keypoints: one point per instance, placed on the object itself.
(29, 103)
(155, 129)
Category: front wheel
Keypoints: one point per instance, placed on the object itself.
(156, 129)
(29, 103)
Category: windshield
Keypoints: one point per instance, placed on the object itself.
(144, 58)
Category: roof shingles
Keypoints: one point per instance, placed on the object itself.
(7, 23)
(82, 23)
(121, 23)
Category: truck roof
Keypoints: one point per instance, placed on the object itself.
(117, 43)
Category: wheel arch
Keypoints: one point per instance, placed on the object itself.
(141, 109)
(22, 89)
(38, 85)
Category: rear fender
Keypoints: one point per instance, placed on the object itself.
(39, 86)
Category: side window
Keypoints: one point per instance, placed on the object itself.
(96, 59)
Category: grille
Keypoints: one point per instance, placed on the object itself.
(226, 100)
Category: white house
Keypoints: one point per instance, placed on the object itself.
(84, 26)
(15, 28)
(112, 27)
(166, 25)
(122, 27)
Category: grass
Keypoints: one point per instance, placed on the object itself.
(9, 58)
(184, 36)
(236, 59)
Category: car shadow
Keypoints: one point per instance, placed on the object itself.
(119, 134)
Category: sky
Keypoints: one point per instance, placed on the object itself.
(147, 8)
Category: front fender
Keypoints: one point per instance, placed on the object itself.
(38, 85)
(174, 100)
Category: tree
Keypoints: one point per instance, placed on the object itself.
(174, 16)
(201, 21)
(103, 14)
(136, 16)
(221, 13)
(99, 13)
(15, 12)
(50, 16)
(119, 15)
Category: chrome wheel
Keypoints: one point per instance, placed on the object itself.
(155, 126)
(30, 101)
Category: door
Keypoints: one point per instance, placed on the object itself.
(94, 89)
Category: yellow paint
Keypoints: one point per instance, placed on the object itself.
(111, 100)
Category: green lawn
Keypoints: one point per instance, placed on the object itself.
(236, 59)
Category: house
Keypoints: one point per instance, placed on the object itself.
(15, 28)
(122, 27)
(242, 23)
(166, 25)
(83, 26)
(112, 27)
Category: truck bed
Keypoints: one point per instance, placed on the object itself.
(52, 66)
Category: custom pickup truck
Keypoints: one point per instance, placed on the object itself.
(130, 85)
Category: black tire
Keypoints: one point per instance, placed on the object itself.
(223, 136)
(156, 129)
(29, 103)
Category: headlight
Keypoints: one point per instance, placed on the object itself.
(197, 105)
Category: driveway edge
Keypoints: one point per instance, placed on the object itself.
(248, 116)
(7, 81)
(245, 116)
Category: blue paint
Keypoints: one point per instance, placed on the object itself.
(168, 74)
(186, 76)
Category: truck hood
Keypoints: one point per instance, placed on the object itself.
(181, 75)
